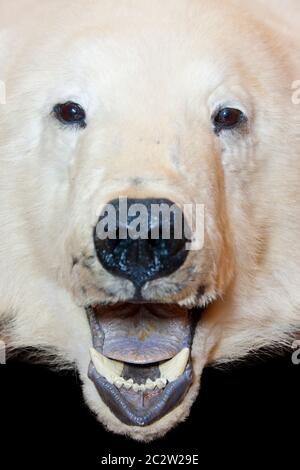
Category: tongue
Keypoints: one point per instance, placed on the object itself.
(144, 333)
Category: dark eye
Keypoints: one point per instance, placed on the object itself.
(70, 113)
(228, 118)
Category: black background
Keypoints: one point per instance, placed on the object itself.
(247, 411)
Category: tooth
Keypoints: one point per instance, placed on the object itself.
(149, 384)
(160, 383)
(142, 387)
(108, 368)
(119, 382)
(136, 387)
(173, 368)
(128, 384)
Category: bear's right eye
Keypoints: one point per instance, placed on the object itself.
(70, 113)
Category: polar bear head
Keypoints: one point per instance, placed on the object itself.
(119, 112)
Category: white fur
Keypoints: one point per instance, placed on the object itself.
(150, 73)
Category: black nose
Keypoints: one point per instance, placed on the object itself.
(141, 239)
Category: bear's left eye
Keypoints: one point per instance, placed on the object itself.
(228, 118)
(70, 113)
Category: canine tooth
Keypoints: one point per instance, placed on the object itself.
(108, 368)
(173, 368)
(160, 383)
(149, 384)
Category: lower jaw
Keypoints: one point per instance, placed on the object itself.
(144, 407)
(166, 400)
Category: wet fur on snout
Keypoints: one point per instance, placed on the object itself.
(150, 75)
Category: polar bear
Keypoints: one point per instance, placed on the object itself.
(170, 104)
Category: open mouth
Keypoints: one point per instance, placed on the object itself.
(140, 360)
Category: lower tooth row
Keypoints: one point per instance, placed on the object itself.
(112, 371)
(149, 385)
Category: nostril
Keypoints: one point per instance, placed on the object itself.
(177, 246)
(166, 247)
(110, 244)
(168, 244)
(116, 243)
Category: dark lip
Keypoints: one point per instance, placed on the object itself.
(162, 403)
(167, 400)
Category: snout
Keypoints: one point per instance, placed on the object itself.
(141, 239)
(141, 363)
